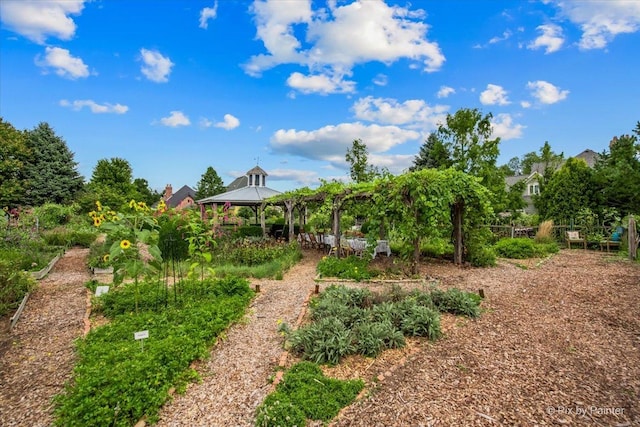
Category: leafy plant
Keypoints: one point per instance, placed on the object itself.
(521, 248)
(115, 382)
(456, 301)
(14, 285)
(351, 267)
(305, 392)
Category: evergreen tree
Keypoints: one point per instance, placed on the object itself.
(13, 156)
(144, 192)
(210, 184)
(51, 171)
(432, 155)
(111, 183)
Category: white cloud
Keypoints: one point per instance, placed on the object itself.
(380, 80)
(413, 112)
(301, 176)
(330, 143)
(96, 108)
(546, 93)
(504, 127)
(525, 104)
(601, 21)
(37, 19)
(445, 91)
(505, 36)
(338, 38)
(61, 61)
(205, 123)
(396, 163)
(320, 83)
(551, 38)
(156, 67)
(175, 119)
(208, 13)
(230, 122)
(494, 95)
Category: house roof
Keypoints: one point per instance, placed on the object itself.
(257, 170)
(588, 156)
(177, 197)
(511, 180)
(241, 181)
(245, 196)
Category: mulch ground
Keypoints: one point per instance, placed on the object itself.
(558, 344)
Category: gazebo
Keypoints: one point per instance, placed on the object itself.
(249, 190)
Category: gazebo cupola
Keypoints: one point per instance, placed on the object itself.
(257, 177)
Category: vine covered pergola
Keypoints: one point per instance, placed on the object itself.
(418, 204)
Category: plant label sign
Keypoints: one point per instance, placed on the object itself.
(141, 335)
(100, 290)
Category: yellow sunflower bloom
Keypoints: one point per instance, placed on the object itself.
(93, 214)
(97, 221)
(99, 205)
(105, 258)
(125, 244)
(132, 204)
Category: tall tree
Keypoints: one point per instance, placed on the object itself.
(13, 156)
(111, 183)
(358, 158)
(617, 175)
(210, 184)
(568, 191)
(144, 192)
(432, 155)
(51, 170)
(467, 136)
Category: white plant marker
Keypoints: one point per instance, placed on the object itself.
(100, 290)
(141, 336)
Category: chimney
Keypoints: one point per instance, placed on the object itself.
(168, 192)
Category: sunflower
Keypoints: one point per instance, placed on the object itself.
(132, 204)
(97, 221)
(125, 244)
(99, 205)
(105, 258)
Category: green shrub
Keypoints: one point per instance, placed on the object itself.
(172, 240)
(521, 248)
(306, 393)
(14, 285)
(326, 340)
(115, 383)
(51, 215)
(421, 321)
(352, 267)
(436, 248)
(479, 250)
(518, 248)
(456, 301)
(248, 231)
(372, 338)
(66, 237)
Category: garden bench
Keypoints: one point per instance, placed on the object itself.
(574, 237)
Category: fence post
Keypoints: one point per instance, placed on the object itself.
(633, 241)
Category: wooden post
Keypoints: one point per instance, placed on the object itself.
(633, 239)
(336, 227)
(262, 221)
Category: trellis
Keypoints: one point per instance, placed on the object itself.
(429, 195)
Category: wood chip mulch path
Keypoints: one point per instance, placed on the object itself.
(37, 356)
(236, 378)
(558, 345)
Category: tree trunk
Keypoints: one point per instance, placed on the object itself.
(336, 229)
(416, 255)
(458, 242)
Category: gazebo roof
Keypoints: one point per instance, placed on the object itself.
(245, 196)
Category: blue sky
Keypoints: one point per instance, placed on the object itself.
(175, 86)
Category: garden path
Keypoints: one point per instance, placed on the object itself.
(37, 355)
(236, 378)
